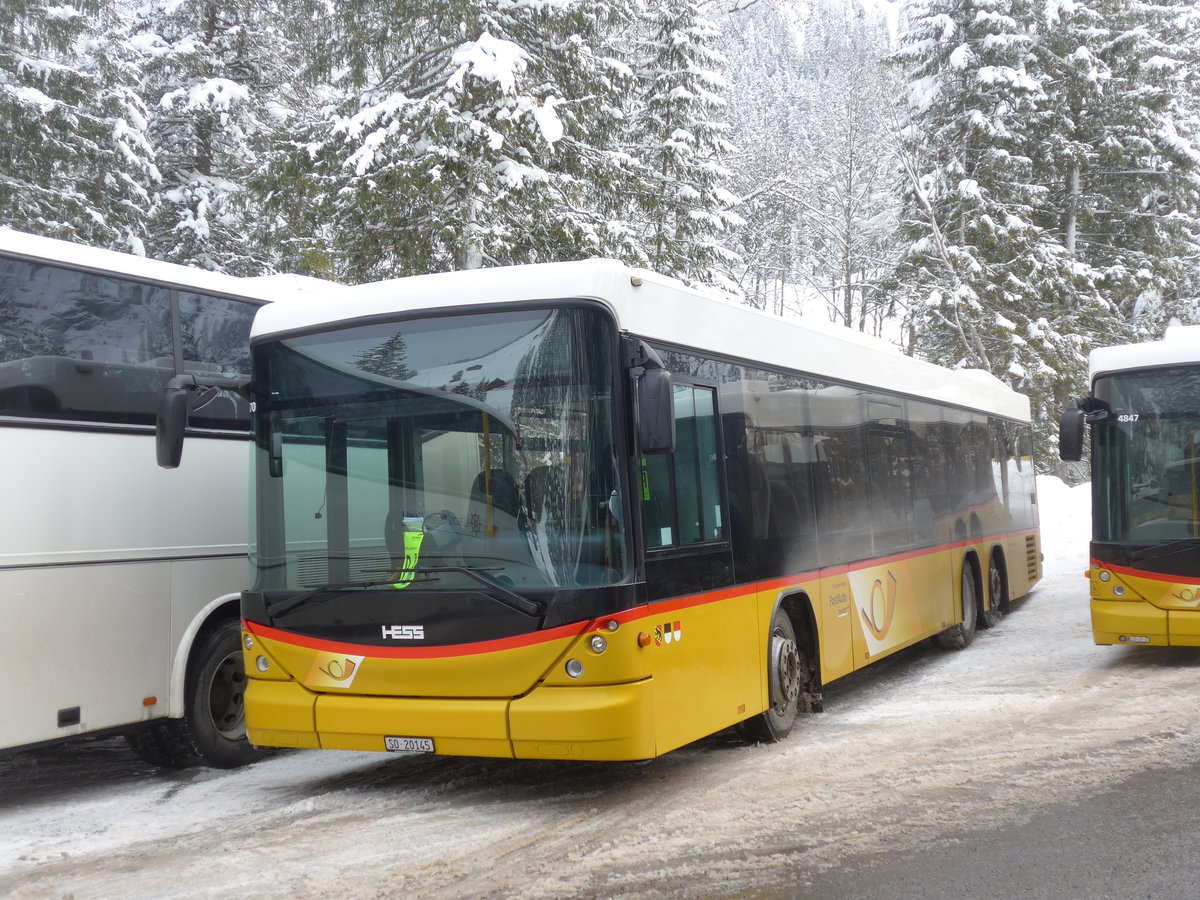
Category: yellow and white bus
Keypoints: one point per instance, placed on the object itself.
(580, 511)
(120, 583)
(1144, 412)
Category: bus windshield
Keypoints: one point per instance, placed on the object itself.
(1146, 461)
(448, 451)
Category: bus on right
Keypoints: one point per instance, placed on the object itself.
(1144, 418)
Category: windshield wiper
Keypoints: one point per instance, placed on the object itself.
(1170, 548)
(512, 600)
(287, 604)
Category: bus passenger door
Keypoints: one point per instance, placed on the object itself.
(704, 646)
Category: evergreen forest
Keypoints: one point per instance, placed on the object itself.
(996, 184)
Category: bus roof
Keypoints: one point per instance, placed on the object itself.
(81, 256)
(1180, 345)
(664, 309)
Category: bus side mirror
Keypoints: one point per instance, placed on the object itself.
(656, 411)
(1070, 433)
(171, 421)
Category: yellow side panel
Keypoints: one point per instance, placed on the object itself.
(901, 602)
(835, 622)
(280, 714)
(610, 722)
(711, 676)
(459, 727)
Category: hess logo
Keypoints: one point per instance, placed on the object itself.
(403, 632)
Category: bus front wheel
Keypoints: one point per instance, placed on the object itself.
(786, 677)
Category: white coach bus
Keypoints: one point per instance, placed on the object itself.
(119, 581)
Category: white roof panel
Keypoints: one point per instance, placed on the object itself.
(268, 287)
(666, 310)
(1180, 346)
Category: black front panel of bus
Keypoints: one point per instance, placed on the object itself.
(377, 617)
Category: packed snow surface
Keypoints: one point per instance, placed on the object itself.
(916, 751)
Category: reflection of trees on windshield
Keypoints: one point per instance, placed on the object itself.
(389, 359)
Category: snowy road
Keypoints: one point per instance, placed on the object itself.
(911, 754)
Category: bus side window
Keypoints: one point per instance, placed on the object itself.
(681, 492)
(215, 332)
(80, 345)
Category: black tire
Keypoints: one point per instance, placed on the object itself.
(997, 603)
(959, 636)
(786, 674)
(213, 729)
(1001, 579)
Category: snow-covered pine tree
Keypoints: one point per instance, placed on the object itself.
(989, 286)
(765, 104)
(458, 133)
(74, 162)
(679, 136)
(212, 73)
(850, 207)
(1128, 173)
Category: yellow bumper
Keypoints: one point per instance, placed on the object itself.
(605, 722)
(1129, 622)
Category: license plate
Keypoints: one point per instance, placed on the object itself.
(408, 745)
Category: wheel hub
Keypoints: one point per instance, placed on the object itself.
(785, 672)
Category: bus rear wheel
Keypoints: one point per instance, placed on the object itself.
(787, 674)
(997, 603)
(960, 635)
(213, 730)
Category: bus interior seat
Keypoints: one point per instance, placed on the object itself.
(505, 501)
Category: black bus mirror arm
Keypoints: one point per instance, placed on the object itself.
(171, 420)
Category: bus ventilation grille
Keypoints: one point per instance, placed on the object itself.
(313, 569)
(1031, 556)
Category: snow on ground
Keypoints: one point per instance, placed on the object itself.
(924, 747)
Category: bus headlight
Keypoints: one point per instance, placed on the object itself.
(1105, 575)
(248, 642)
(574, 668)
(263, 663)
(598, 643)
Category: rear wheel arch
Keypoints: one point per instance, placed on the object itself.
(969, 582)
(793, 669)
(999, 561)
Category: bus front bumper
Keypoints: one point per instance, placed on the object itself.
(604, 722)
(1128, 622)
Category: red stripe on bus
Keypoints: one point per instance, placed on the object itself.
(1150, 576)
(655, 608)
